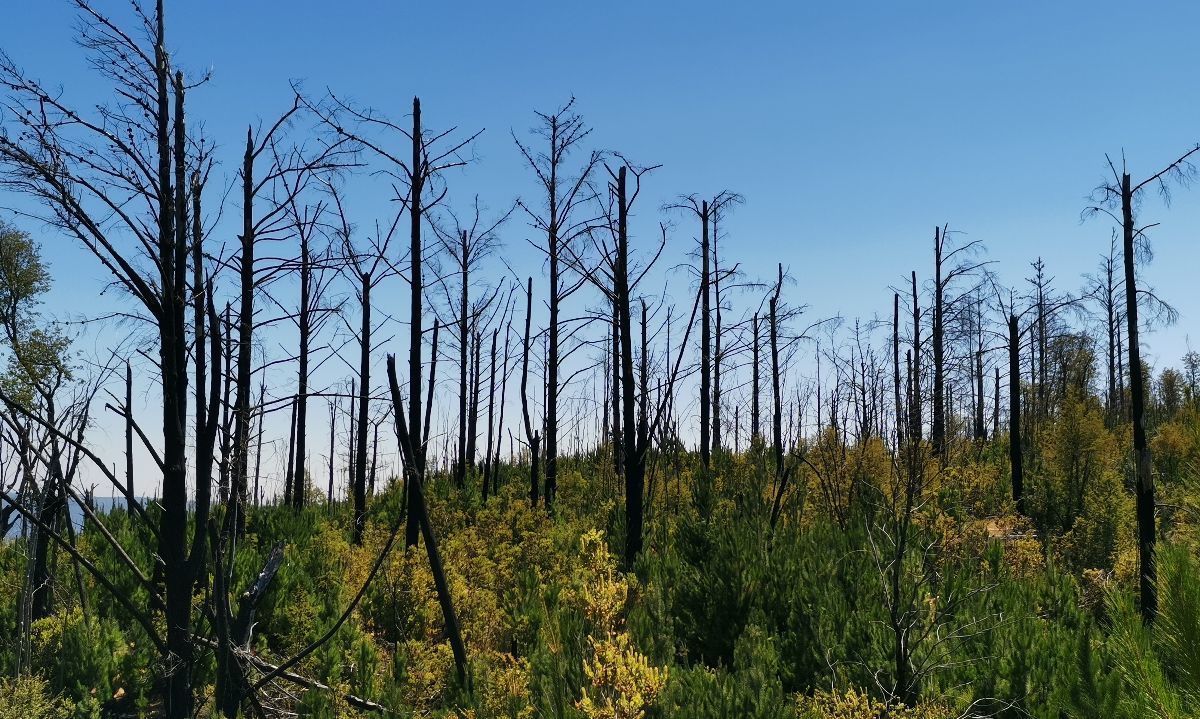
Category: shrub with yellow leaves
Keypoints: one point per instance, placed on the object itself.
(622, 681)
(852, 704)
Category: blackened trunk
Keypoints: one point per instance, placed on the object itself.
(777, 413)
(364, 393)
(716, 357)
(755, 433)
(300, 478)
(530, 434)
(473, 410)
(487, 463)
(896, 370)
(938, 431)
(129, 427)
(705, 342)
(914, 406)
(412, 529)
(236, 515)
(289, 479)
(1144, 489)
(634, 454)
(460, 470)
(1014, 415)
(172, 265)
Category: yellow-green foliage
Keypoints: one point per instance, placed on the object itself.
(623, 683)
(30, 698)
(1176, 445)
(839, 473)
(852, 704)
(1077, 499)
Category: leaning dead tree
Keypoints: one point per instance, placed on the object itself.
(1121, 194)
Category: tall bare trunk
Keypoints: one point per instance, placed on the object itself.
(1144, 489)
(705, 342)
(412, 530)
(364, 394)
(1014, 415)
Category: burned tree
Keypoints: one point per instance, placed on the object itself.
(1121, 193)
(560, 219)
(466, 245)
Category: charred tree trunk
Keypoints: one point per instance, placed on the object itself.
(412, 530)
(1014, 415)
(1144, 488)
(433, 358)
(531, 435)
(178, 572)
(705, 342)
(938, 431)
(980, 424)
(916, 420)
(460, 469)
(473, 411)
(551, 385)
(896, 370)
(615, 384)
(716, 357)
(236, 515)
(332, 447)
(777, 410)
(300, 478)
(633, 449)
(996, 405)
(412, 455)
(364, 393)
(487, 462)
(755, 433)
(289, 479)
(129, 428)
(500, 424)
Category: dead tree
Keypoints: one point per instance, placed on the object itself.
(419, 189)
(777, 406)
(313, 266)
(89, 174)
(755, 416)
(272, 179)
(705, 210)
(367, 265)
(1015, 460)
(466, 245)
(1122, 193)
(950, 264)
(532, 436)
(896, 369)
(563, 131)
(487, 464)
(916, 419)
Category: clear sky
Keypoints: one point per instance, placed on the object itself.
(851, 128)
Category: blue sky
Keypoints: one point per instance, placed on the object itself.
(851, 128)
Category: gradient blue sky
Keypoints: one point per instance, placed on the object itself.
(851, 128)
